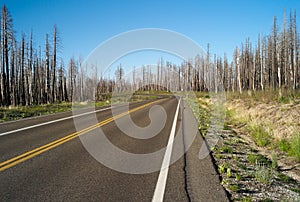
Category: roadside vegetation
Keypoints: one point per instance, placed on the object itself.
(15, 113)
(257, 155)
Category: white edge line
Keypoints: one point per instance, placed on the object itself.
(163, 174)
(49, 122)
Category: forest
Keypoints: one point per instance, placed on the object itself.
(31, 75)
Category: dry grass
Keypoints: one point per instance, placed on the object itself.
(271, 122)
(279, 120)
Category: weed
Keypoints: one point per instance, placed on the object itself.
(226, 127)
(261, 137)
(238, 177)
(219, 156)
(238, 141)
(284, 100)
(222, 168)
(263, 175)
(226, 149)
(274, 161)
(248, 199)
(258, 159)
(284, 178)
(234, 187)
(224, 181)
(295, 190)
(242, 166)
(236, 158)
(295, 146)
(253, 150)
(229, 173)
(284, 145)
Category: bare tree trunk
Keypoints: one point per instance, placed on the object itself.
(54, 66)
(238, 70)
(47, 95)
(295, 48)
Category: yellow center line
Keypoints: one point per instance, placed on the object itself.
(30, 154)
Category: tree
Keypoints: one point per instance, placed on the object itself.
(53, 89)
(7, 38)
(48, 73)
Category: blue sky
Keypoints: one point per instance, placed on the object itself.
(83, 25)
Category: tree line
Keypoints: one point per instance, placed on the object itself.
(29, 75)
(272, 63)
(32, 76)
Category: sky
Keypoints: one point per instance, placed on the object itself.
(83, 24)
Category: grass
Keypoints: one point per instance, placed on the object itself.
(248, 199)
(229, 173)
(30, 111)
(260, 114)
(234, 187)
(203, 119)
(235, 120)
(222, 168)
(274, 161)
(284, 145)
(261, 137)
(15, 113)
(291, 146)
(263, 174)
(284, 178)
(295, 146)
(226, 149)
(295, 190)
(266, 96)
(242, 166)
(258, 159)
(238, 177)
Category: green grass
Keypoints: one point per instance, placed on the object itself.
(249, 199)
(226, 149)
(284, 145)
(263, 175)
(222, 168)
(274, 161)
(296, 190)
(238, 177)
(15, 113)
(284, 178)
(258, 159)
(229, 173)
(295, 146)
(261, 137)
(203, 119)
(267, 95)
(30, 111)
(291, 146)
(242, 166)
(234, 187)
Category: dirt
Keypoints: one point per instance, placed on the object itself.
(244, 182)
(274, 177)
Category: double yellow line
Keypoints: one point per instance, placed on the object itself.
(30, 154)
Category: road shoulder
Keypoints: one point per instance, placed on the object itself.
(203, 183)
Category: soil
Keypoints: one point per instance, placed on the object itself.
(246, 180)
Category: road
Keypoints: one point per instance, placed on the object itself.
(44, 159)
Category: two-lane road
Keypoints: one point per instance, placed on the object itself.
(43, 159)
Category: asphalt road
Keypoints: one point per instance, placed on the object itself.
(47, 161)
